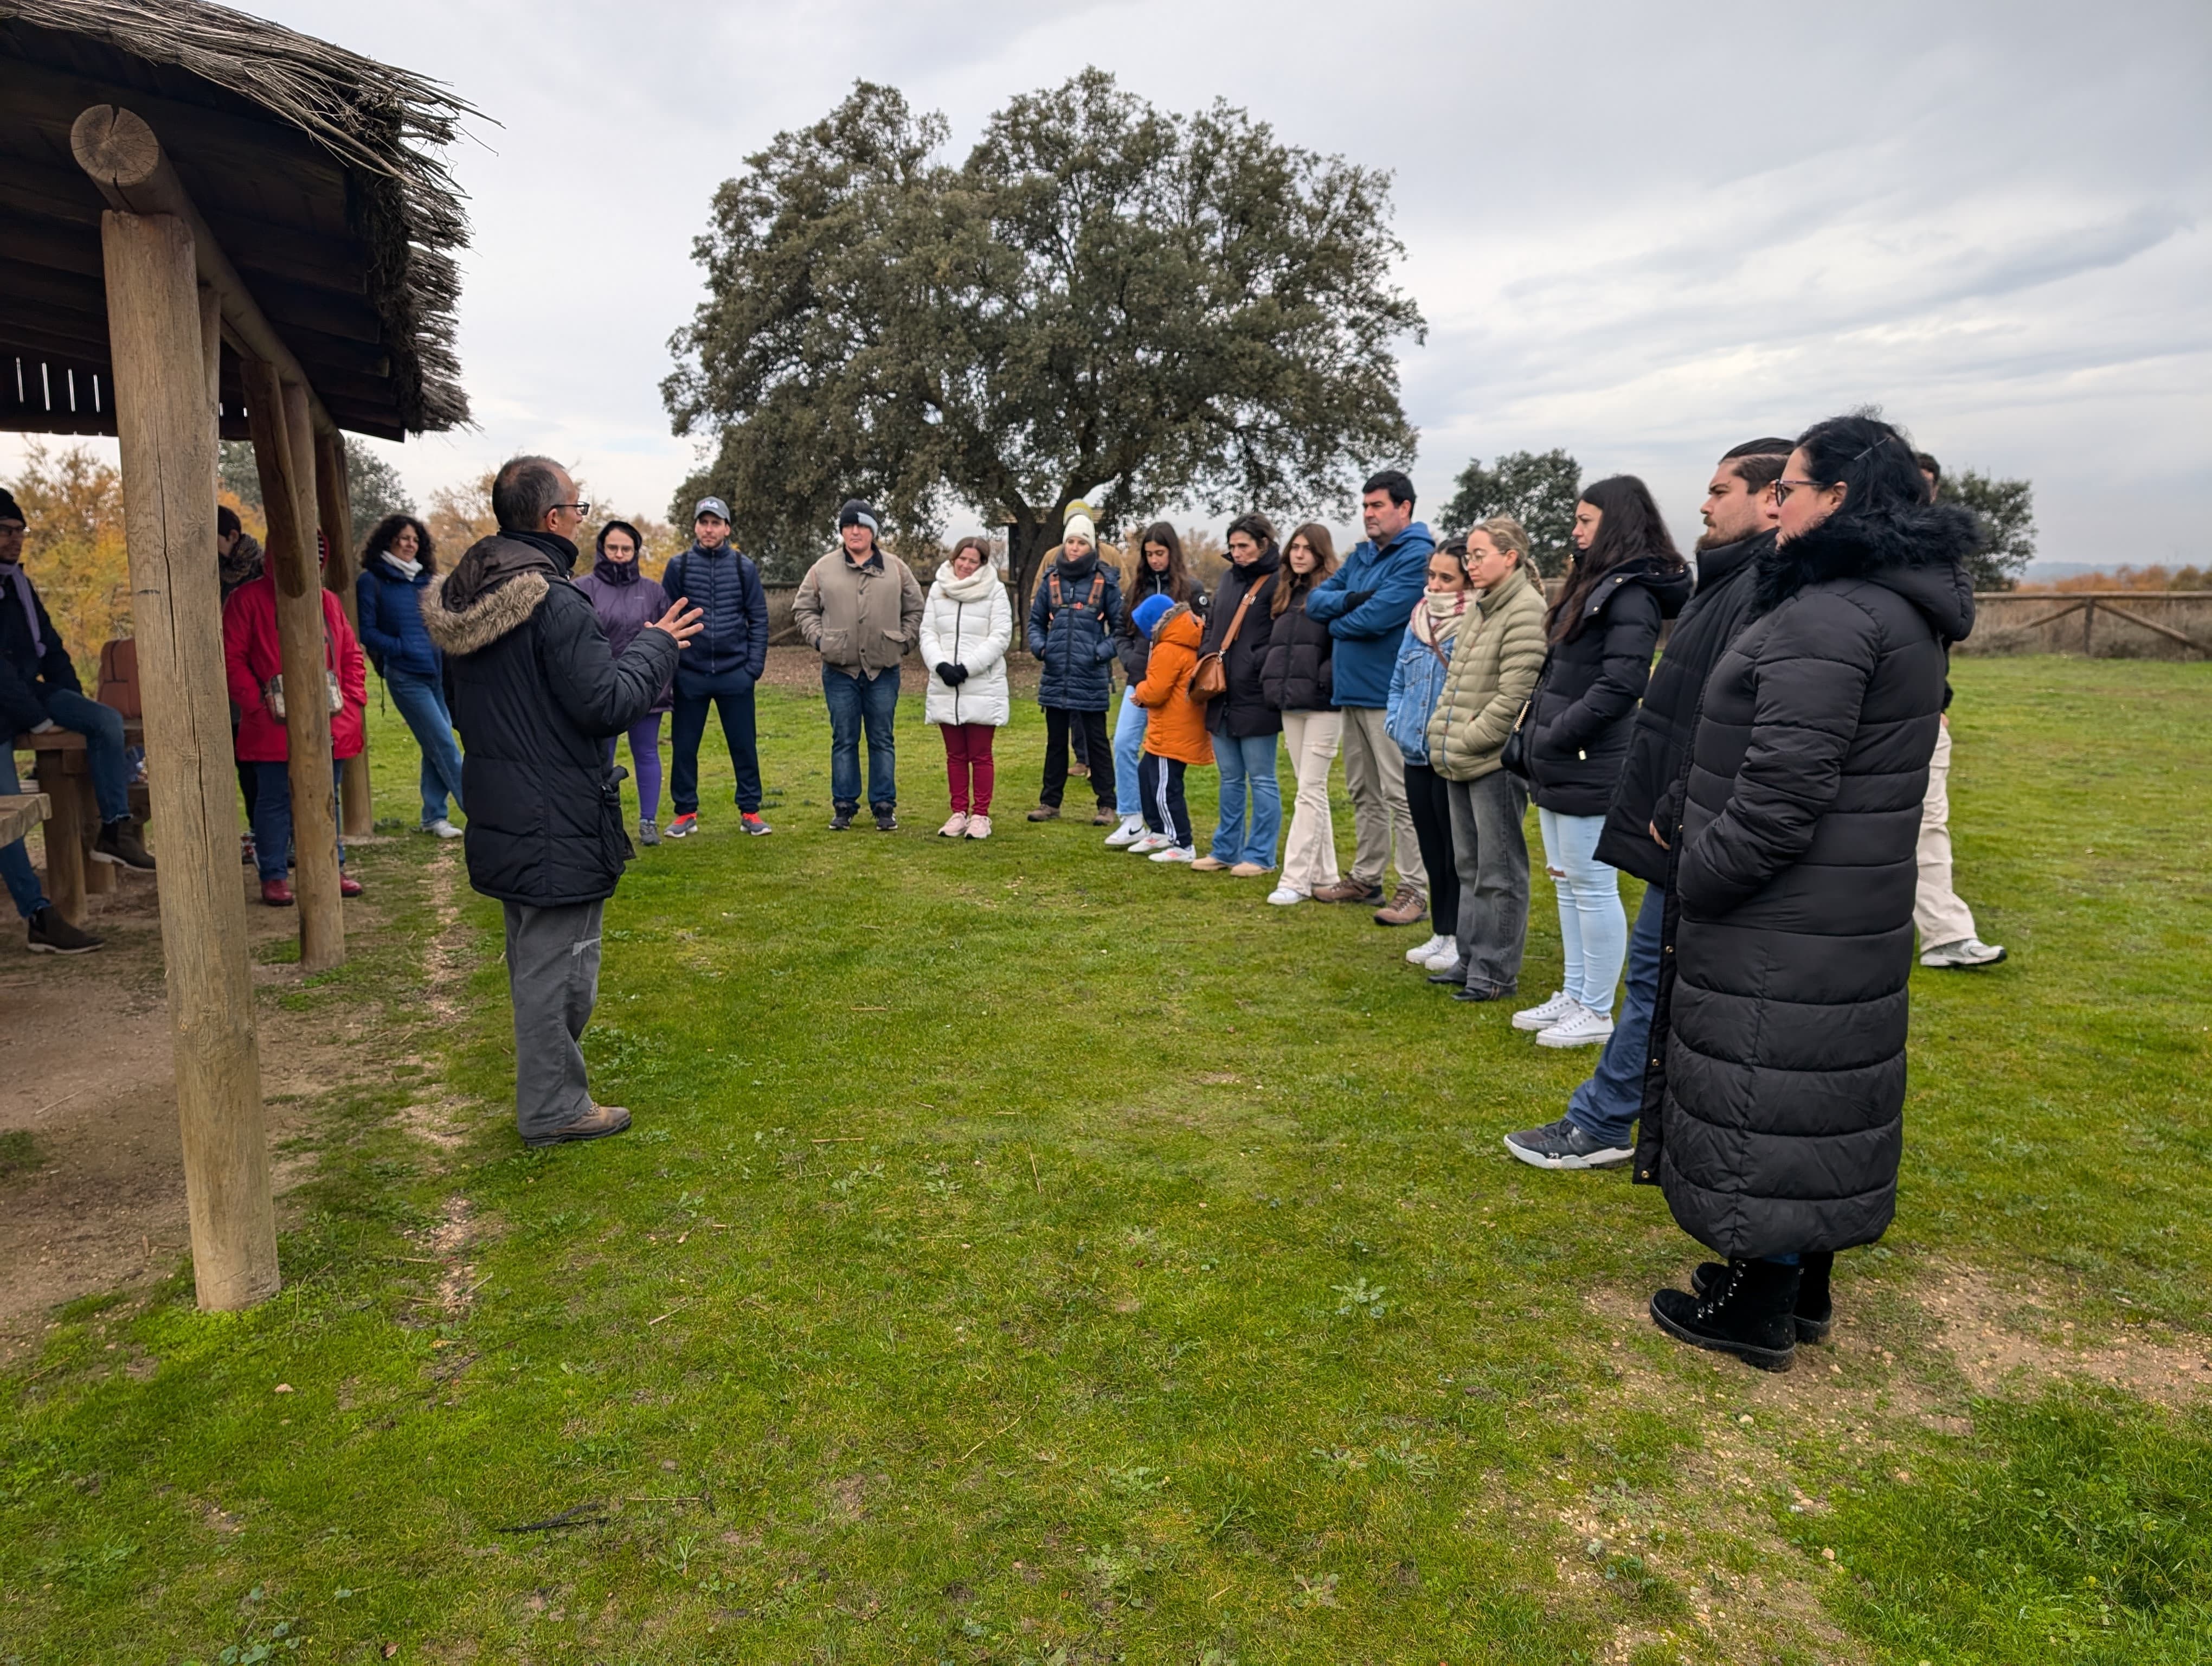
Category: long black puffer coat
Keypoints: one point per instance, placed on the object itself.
(1578, 732)
(1243, 711)
(1296, 677)
(1644, 796)
(1779, 1043)
(534, 691)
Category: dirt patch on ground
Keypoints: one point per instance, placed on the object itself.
(2007, 1337)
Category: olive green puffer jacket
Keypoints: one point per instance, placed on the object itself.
(1494, 666)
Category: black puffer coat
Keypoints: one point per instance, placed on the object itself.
(1295, 677)
(1645, 796)
(1779, 1040)
(534, 691)
(1243, 711)
(1135, 647)
(1578, 732)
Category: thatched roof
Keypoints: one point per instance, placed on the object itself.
(317, 169)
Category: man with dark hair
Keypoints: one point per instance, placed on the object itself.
(1364, 604)
(722, 666)
(1740, 517)
(859, 607)
(534, 694)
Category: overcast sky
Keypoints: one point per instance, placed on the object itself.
(1640, 232)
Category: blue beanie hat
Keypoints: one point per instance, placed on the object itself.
(1151, 610)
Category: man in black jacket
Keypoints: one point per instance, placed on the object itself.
(535, 693)
(1739, 514)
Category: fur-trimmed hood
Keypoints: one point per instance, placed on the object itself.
(1920, 553)
(494, 613)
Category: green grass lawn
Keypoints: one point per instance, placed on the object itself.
(1027, 1254)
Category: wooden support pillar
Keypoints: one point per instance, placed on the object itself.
(334, 506)
(166, 421)
(284, 451)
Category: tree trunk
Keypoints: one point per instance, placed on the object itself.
(163, 340)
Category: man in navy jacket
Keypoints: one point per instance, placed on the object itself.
(1366, 604)
(721, 664)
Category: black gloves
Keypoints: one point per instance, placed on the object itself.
(950, 675)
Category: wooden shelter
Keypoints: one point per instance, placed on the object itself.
(212, 226)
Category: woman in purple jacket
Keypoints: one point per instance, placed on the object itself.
(627, 601)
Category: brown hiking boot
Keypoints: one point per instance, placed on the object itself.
(1045, 812)
(1105, 816)
(596, 1123)
(1408, 907)
(1348, 891)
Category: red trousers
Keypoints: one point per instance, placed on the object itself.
(967, 765)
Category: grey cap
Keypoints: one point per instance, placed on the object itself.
(712, 506)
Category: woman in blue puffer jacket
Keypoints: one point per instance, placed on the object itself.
(1074, 621)
(395, 566)
(1417, 681)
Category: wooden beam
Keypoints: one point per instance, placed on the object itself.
(168, 449)
(119, 151)
(334, 501)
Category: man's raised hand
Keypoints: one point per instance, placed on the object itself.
(682, 621)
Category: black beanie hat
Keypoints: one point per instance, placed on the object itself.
(7, 509)
(858, 512)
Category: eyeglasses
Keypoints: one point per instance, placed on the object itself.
(580, 509)
(1784, 487)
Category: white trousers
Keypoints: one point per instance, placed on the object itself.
(1310, 849)
(1936, 908)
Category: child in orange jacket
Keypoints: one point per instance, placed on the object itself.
(1174, 728)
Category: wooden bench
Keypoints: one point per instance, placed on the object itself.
(64, 777)
(20, 812)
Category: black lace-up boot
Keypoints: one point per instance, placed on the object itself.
(1751, 1314)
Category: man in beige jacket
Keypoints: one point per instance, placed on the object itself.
(859, 607)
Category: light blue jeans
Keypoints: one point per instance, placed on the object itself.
(1593, 925)
(421, 703)
(1128, 750)
(1248, 765)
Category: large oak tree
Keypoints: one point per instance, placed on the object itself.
(1103, 301)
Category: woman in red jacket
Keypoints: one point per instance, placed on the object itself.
(251, 662)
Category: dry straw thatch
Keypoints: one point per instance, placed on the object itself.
(383, 124)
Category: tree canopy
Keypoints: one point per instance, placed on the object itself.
(373, 486)
(1103, 301)
(2006, 509)
(1537, 490)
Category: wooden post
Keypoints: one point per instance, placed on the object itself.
(66, 836)
(285, 454)
(334, 506)
(166, 419)
(2088, 625)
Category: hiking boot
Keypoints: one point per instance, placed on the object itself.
(751, 824)
(954, 825)
(1208, 863)
(840, 817)
(1580, 1027)
(1561, 1144)
(1963, 955)
(1815, 1311)
(1348, 891)
(885, 821)
(648, 832)
(1750, 1313)
(52, 934)
(1130, 830)
(683, 826)
(1408, 907)
(1045, 812)
(1105, 816)
(979, 827)
(278, 893)
(348, 886)
(1483, 992)
(596, 1123)
(118, 842)
(1544, 1017)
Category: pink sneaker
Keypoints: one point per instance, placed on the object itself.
(979, 827)
(954, 827)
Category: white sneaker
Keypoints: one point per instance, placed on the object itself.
(1580, 1027)
(1446, 956)
(1967, 952)
(1145, 844)
(1544, 1017)
(1285, 897)
(443, 829)
(1130, 830)
(1419, 956)
(954, 827)
(1177, 853)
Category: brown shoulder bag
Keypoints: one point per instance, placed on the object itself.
(1211, 680)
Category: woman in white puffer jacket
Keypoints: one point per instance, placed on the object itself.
(966, 624)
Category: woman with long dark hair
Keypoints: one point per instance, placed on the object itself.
(1242, 722)
(1297, 681)
(1626, 581)
(626, 601)
(1780, 1030)
(397, 564)
(1160, 568)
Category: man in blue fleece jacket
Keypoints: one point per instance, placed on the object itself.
(1365, 603)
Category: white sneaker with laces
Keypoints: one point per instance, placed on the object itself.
(1968, 951)
(1544, 1017)
(1446, 956)
(1146, 844)
(1130, 830)
(1580, 1027)
(1285, 897)
(443, 829)
(1177, 853)
(1419, 956)
(954, 827)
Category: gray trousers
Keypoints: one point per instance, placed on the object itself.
(553, 978)
(1491, 853)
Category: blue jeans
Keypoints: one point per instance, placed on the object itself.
(421, 701)
(1605, 1106)
(1129, 751)
(15, 861)
(102, 729)
(272, 817)
(1247, 764)
(855, 702)
(1593, 925)
(731, 694)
